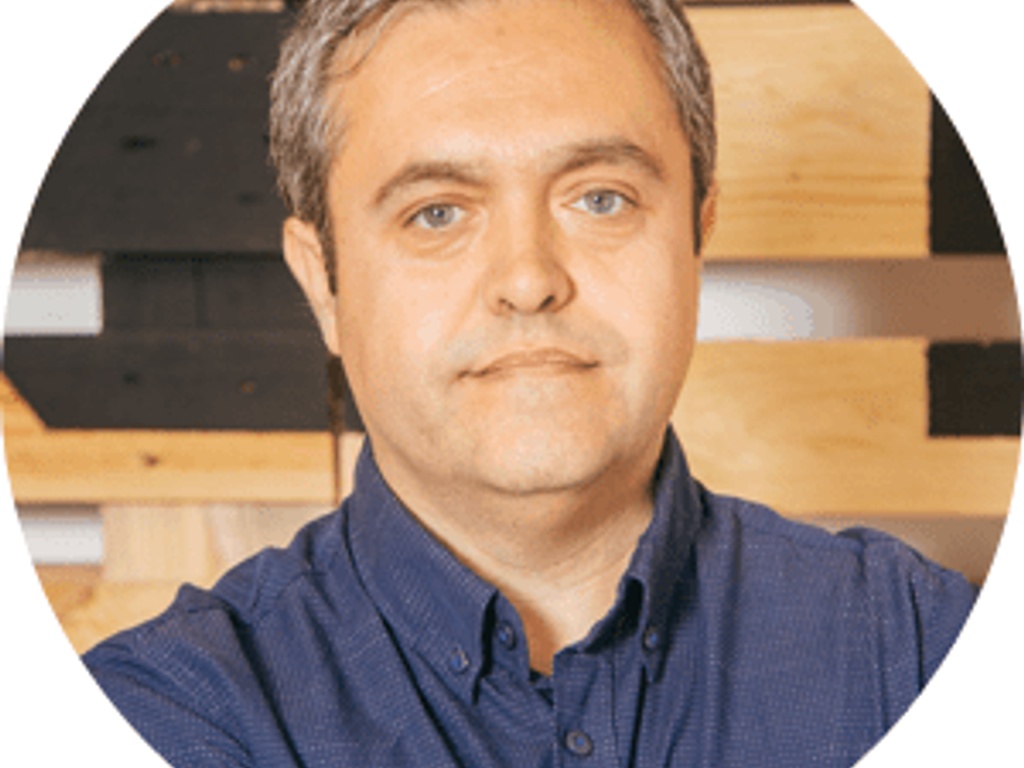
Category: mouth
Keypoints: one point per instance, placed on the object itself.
(547, 360)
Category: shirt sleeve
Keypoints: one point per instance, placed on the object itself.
(919, 609)
(184, 681)
(166, 716)
(944, 600)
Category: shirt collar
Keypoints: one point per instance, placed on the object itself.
(663, 556)
(446, 612)
(432, 602)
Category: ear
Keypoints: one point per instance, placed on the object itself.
(304, 256)
(708, 214)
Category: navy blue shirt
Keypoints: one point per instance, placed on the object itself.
(737, 639)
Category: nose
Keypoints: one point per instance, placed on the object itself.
(528, 274)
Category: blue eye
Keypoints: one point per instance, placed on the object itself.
(601, 202)
(437, 216)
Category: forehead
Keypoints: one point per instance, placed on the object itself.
(378, 25)
(487, 67)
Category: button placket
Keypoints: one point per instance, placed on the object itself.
(583, 708)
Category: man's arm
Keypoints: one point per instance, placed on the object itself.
(182, 681)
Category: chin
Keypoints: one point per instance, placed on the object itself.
(545, 461)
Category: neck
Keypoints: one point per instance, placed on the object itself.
(557, 557)
(561, 592)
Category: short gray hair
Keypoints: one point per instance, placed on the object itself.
(303, 138)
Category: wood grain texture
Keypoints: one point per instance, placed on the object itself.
(90, 608)
(195, 543)
(102, 466)
(824, 134)
(834, 428)
(68, 586)
(350, 444)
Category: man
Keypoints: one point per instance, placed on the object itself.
(497, 211)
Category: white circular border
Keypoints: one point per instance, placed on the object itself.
(973, 59)
(53, 55)
(57, 51)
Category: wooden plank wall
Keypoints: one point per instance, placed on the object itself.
(824, 155)
(51, 466)
(823, 135)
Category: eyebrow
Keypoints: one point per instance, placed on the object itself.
(565, 160)
(611, 152)
(469, 174)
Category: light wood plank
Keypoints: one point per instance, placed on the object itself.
(68, 586)
(834, 428)
(824, 134)
(351, 446)
(90, 608)
(100, 466)
(194, 543)
(19, 418)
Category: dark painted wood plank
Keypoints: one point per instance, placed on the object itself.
(169, 154)
(208, 291)
(189, 342)
(962, 220)
(974, 389)
(174, 380)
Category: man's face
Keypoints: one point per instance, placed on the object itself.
(517, 285)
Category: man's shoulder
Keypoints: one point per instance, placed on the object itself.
(259, 585)
(748, 554)
(751, 542)
(735, 523)
(205, 681)
(251, 598)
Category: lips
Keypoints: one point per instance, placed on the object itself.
(547, 359)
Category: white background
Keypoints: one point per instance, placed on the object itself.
(56, 51)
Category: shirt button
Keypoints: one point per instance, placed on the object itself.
(506, 635)
(578, 743)
(651, 638)
(458, 661)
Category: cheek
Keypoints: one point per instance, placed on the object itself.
(673, 316)
(650, 292)
(425, 326)
(673, 286)
(394, 328)
(367, 330)
(651, 297)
